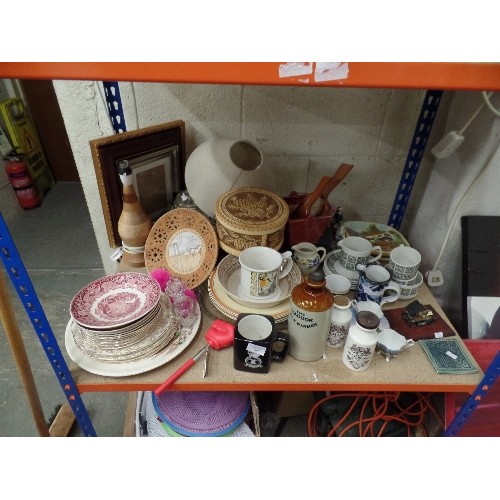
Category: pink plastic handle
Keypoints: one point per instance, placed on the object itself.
(170, 380)
(220, 334)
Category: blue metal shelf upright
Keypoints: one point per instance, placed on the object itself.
(22, 283)
(415, 154)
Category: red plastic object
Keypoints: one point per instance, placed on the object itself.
(219, 335)
(485, 421)
(21, 183)
(310, 228)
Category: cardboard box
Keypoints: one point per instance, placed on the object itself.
(287, 404)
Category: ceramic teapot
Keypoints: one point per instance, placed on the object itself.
(308, 256)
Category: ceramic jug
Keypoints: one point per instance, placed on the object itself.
(355, 251)
(375, 284)
(307, 256)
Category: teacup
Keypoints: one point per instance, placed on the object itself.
(257, 343)
(375, 284)
(261, 270)
(409, 289)
(356, 250)
(404, 263)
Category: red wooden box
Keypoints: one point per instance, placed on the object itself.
(310, 228)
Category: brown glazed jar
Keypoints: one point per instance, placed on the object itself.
(309, 318)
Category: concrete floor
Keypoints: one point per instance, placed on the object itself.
(57, 245)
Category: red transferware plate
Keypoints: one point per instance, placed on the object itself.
(114, 301)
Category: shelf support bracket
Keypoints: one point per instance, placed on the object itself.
(22, 283)
(115, 107)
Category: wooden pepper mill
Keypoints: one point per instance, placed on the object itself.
(134, 223)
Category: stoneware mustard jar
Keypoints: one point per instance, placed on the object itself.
(340, 321)
(309, 318)
(361, 341)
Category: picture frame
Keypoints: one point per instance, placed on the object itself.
(157, 156)
(483, 315)
(480, 276)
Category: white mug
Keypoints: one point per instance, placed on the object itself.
(261, 269)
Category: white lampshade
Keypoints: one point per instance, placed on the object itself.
(219, 165)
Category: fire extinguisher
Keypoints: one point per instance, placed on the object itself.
(20, 180)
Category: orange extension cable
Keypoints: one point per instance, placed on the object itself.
(412, 416)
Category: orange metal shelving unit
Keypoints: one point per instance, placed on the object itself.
(414, 75)
(440, 76)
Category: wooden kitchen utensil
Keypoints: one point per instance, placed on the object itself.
(334, 181)
(304, 206)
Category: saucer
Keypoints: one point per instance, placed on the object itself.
(331, 265)
(228, 274)
(242, 295)
(340, 269)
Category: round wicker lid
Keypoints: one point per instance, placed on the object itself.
(251, 211)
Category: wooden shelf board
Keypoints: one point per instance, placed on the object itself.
(410, 371)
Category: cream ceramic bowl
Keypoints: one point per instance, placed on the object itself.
(338, 284)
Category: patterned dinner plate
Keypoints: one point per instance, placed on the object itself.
(147, 341)
(115, 301)
(181, 340)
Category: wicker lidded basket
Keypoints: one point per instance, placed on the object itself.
(249, 217)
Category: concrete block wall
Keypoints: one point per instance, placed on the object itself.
(304, 133)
